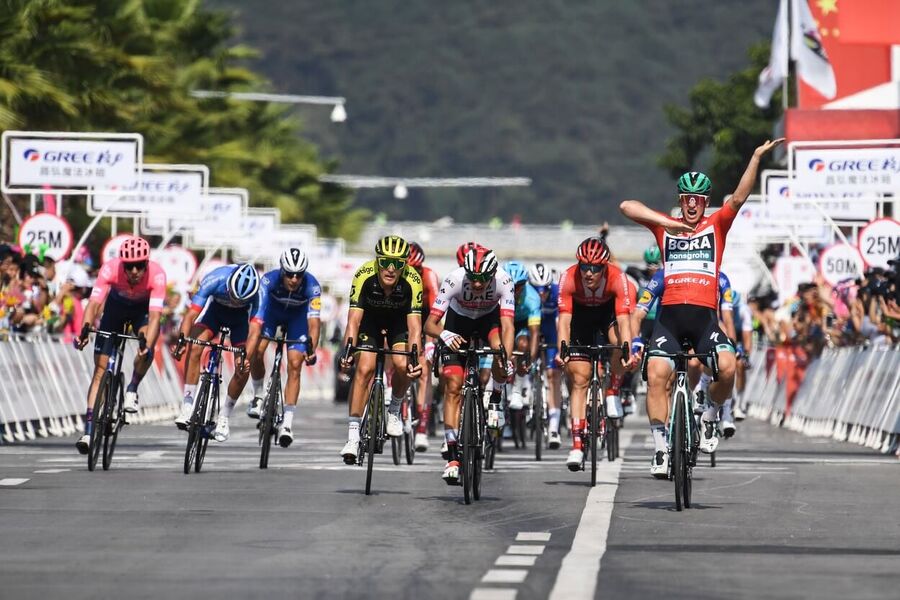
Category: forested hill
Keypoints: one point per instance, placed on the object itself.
(569, 93)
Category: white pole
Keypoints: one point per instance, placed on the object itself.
(59, 205)
(33, 206)
(113, 225)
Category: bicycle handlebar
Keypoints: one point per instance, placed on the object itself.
(595, 351)
(483, 351)
(713, 355)
(189, 340)
(286, 341)
(87, 329)
(349, 349)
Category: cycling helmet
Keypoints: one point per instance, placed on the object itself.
(516, 271)
(652, 255)
(243, 283)
(294, 260)
(416, 255)
(539, 276)
(694, 182)
(592, 251)
(480, 261)
(392, 246)
(461, 251)
(134, 249)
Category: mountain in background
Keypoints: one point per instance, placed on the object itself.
(567, 93)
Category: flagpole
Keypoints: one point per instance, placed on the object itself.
(791, 66)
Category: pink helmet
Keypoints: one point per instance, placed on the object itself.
(134, 249)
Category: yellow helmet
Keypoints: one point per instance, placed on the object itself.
(392, 246)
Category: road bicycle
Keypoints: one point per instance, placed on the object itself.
(109, 404)
(540, 409)
(683, 431)
(373, 424)
(271, 412)
(202, 423)
(601, 430)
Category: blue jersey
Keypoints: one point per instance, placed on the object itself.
(305, 301)
(650, 295)
(528, 306)
(215, 286)
(550, 306)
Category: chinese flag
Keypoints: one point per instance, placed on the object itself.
(856, 66)
(869, 22)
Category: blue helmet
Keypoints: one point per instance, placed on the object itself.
(516, 271)
(243, 283)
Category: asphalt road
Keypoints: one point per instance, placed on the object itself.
(781, 516)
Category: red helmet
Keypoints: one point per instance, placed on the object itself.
(461, 251)
(134, 249)
(416, 255)
(480, 260)
(592, 251)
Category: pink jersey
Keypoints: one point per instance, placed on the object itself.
(151, 287)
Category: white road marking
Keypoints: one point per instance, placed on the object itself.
(505, 576)
(9, 481)
(515, 561)
(52, 471)
(529, 550)
(577, 577)
(151, 455)
(533, 536)
(493, 594)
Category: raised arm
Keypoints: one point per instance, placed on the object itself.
(640, 213)
(748, 180)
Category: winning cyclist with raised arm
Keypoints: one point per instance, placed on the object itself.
(595, 304)
(290, 298)
(692, 249)
(385, 307)
(478, 301)
(228, 297)
(541, 279)
(129, 289)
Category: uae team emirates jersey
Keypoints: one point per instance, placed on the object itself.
(691, 261)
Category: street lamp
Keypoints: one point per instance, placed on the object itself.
(338, 113)
(401, 185)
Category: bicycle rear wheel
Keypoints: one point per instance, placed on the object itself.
(479, 448)
(612, 439)
(678, 456)
(470, 446)
(194, 426)
(594, 430)
(490, 449)
(407, 413)
(373, 430)
(538, 419)
(98, 428)
(114, 414)
(208, 423)
(267, 422)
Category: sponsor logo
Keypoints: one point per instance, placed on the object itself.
(646, 297)
(715, 337)
(316, 303)
(817, 165)
(784, 191)
(105, 158)
(32, 155)
(860, 165)
(701, 247)
(661, 340)
(687, 280)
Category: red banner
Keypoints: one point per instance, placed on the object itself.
(870, 22)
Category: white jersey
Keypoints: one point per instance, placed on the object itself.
(456, 293)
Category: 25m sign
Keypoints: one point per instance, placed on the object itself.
(879, 242)
(46, 229)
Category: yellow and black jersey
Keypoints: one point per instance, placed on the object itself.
(366, 292)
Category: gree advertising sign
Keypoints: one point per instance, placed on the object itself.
(69, 163)
(784, 201)
(866, 170)
(162, 189)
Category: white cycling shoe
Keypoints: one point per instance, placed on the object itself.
(131, 402)
(348, 452)
(253, 408)
(445, 453)
(495, 417)
(394, 425)
(181, 421)
(613, 407)
(554, 441)
(739, 413)
(659, 465)
(421, 442)
(576, 457)
(516, 401)
(728, 428)
(451, 473)
(708, 440)
(223, 429)
(285, 436)
(83, 444)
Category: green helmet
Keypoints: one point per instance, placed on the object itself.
(652, 255)
(694, 182)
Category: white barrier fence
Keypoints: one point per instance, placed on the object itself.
(45, 383)
(849, 394)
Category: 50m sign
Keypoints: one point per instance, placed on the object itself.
(47, 229)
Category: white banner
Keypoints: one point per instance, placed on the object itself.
(835, 170)
(839, 262)
(782, 201)
(268, 250)
(163, 189)
(221, 213)
(70, 165)
(47, 228)
(789, 272)
(879, 242)
(756, 221)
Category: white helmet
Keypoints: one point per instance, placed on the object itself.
(539, 275)
(293, 260)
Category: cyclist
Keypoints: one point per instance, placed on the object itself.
(129, 289)
(527, 323)
(385, 307)
(290, 298)
(426, 359)
(743, 326)
(596, 300)
(227, 297)
(692, 249)
(478, 300)
(541, 279)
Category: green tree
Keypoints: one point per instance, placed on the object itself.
(721, 126)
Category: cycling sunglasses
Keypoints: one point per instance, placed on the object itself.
(387, 262)
(479, 277)
(136, 266)
(289, 275)
(591, 268)
(693, 199)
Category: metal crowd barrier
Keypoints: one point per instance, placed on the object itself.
(848, 394)
(45, 383)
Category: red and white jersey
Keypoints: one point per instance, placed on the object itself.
(691, 261)
(113, 280)
(456, 292)
(614, 285)
(430, 283)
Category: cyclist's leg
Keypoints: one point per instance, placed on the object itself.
(140, 325)
(613, 392)
(258, 373)
(368, 337)
(659, 371)
(423, 397)
(552, 372)
(578, 370)
(705, 322)
(237, 320)
(297, 328)
(397, 338)
(520, 388)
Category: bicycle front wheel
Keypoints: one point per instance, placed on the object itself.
(114, 414)
(194, 426)
(470, 446)
(538, 419)
(208, 423)
(267, 423)
(407, 412)
(594, 427)
(373, 430)
(612, 439)
(678, 456)
(98, 428)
